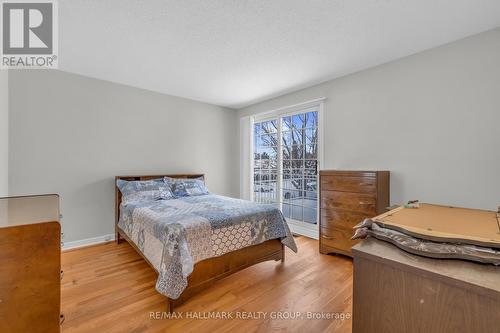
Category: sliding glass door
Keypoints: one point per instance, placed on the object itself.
(299, 172)
(285, 164)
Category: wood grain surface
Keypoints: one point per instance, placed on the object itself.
(398, 292)
(110, 288)
(30, 271)
(346, 199)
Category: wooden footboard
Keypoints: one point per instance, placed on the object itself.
(208, 271)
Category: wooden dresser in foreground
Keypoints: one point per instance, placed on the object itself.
(347, 198)
(30, 264)
(395, 291)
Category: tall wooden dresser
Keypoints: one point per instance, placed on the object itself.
(347, 198)
(30, 264)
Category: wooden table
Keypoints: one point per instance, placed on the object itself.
(395, 291)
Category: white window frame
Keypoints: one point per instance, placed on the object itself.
(301, 228)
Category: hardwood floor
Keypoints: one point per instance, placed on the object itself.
(109, 288)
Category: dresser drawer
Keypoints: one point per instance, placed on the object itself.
(357, 202)
(338, 238)
(334, 218)
(349, 184)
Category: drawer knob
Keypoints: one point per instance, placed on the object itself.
(364, 203)
(364, 184)
(327, 237)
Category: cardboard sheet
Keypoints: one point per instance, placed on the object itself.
(444, 224)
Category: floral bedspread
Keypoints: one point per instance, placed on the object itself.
(175, 234)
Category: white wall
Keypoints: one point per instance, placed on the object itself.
(4, 133)
(71, 135)
(432, 119)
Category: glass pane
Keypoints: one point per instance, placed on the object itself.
(269, 127)
(297, 152)
(311, 151)
(256, 177)
(310, 202)
(296, 198)
(310, 172)
(310, 184)
(268, 153)
(298, 121)
(264, 176)
(296, 184)
(286, 210)
(263, 154)
(311, 195)
(286, 195)
(287, 188)
(297, 164)
(256, 129)
(310, 164)
(297, 213)
(269, 140)
(310, 215)
(273, 164)
(256, 141)
(312, 119)
(286, 123)
(265, 164)
(286, 138)
(286, 164)
(311, 135)
(256, 187)
(296, 137)
(286, 153)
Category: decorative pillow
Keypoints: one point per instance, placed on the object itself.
(186, 187)
(144, 190)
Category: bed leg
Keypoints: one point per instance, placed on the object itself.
(170, 305)
(118, 239)
(282, 253)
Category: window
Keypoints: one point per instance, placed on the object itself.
(285, 162)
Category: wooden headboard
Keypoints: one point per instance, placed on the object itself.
(118, 194)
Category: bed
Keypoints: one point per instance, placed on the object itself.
(193, 241)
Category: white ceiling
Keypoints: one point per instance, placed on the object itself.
(235, 53)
